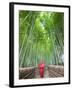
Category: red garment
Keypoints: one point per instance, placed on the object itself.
(41, 69)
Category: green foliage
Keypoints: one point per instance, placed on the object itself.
(41, 36)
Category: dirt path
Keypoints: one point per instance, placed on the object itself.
(51, 71)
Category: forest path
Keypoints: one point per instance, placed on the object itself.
(50, 71)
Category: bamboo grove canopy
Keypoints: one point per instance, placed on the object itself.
(41, 37)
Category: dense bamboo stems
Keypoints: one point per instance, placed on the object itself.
(41, 36)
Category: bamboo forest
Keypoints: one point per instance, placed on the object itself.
(41, 44)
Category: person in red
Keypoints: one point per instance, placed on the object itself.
(41, 67)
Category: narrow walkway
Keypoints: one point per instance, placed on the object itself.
(50, 71)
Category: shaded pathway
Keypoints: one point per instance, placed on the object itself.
(50, 71)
